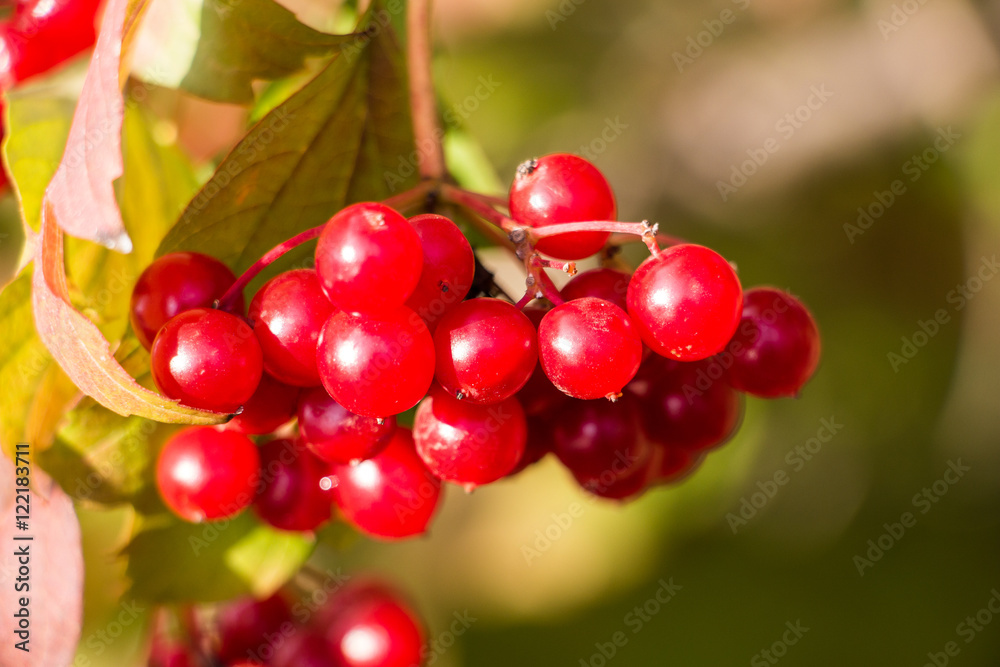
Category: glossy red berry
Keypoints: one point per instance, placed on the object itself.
(589, 348)
(448, 269)
(485, 350)
(391, 495)
(685, 302)
(562, 188)
(598, 441)
(469, 444)
(173, 284)
(686, 409)
(46, 33)
(204, 473)
(337, 435)
(376, 365)
(369, 259)
(207, 359)
(608, 284)
(288, 314)
(290, 495)
(376, 630)
(271, 405)
(539, 396)
(248, 628)
(776, 347)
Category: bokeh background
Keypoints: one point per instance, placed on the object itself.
(671, 99)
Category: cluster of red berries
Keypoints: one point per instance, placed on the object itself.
(38, 35)
(383, 325)
(363, 624)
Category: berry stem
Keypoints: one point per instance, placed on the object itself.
(401, 202)
(545, 263)
(482, 205)
(423, 105)
(631, 228)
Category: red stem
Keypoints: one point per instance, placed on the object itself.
(481, 205)
(633, 228)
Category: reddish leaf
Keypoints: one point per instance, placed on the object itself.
(82, 191)
(55, 573)
(82, 352)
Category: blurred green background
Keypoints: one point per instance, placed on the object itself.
(669, 98)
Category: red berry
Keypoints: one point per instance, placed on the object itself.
(688, 410)
(776, 347)
(449, 267)
(166, 653)
(608, 284)
(369, 259)
(391, 495)
(173, 284)
(337, 435)
(376, 365)
(271, 405)
(674, 464)
(539, 396)
(538, 445)
(305, 648)
(598, 441)
(589, 348)
(562, 188)
(207, 359)
(46, 33)
(685, 302)
(206, 474)
(485, 350)
(628, 487)
(288, 314)
(469, 444)
(250, 628)
(376, 630)
(290, 495)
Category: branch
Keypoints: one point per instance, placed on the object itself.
(423, 105)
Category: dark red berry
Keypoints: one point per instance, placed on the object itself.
(688, 410)
(207, 359)
(674, 464)
(629, 487)
(290, 495)
(685, 302)
(376, 630)
(449, 266)
(391, 495)
(171, 653)
(589, 348)
(608, 284)
(598, 441)
(776, 347)
(305, 648)
(250, 628)
(469, 444)
(288, 314)
(562, 188)
(538, 445)
(376, 365)
(337, 435)
(271, 405)
(369, 259)
(485, 350)
(204, 473)
(173, 284)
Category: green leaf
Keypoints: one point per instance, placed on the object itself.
(342, 138)
(243, 41)
(172, 561)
